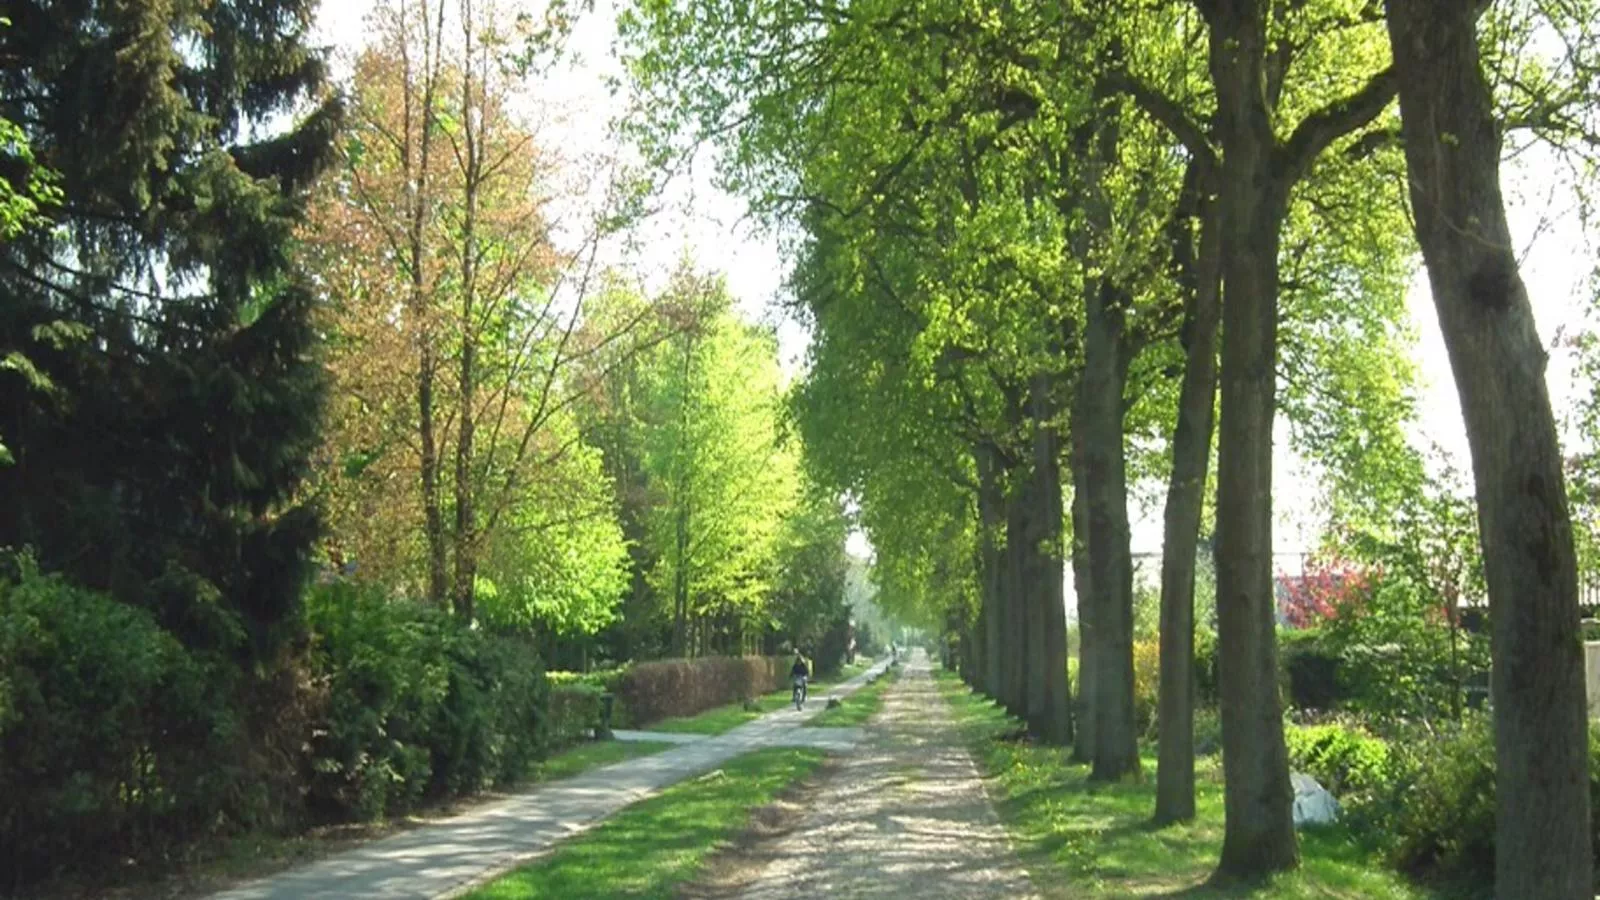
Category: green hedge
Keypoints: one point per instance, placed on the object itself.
(1309, 670)
(114, 740)
(1343, 756)
(418, 706)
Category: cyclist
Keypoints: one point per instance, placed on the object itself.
(800, 672)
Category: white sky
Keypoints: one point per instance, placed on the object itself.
(705, 223)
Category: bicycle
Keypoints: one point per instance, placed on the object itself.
(799, 694)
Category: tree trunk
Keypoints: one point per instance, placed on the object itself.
(680, 585)
(433, 515)
(1191, 456)
(1049, 691)
(1088, 632)
(1014, 588)
(1259, 835)
(466, 537)
(990, 518)
(1030, 583)
(1116, 744)
(1452, 143)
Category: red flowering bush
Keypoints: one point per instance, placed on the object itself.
(1329, 588)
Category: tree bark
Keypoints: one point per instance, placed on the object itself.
(1014, 589)
(990, 519)
(416, 158)
(1116, 739)
(1452, 145)
(1088, 631)
(1191, 457)
(1259, 835)
(466, 537)
(1050, 691)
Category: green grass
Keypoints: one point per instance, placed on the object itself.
(857, 708)
(653, 847)
(726, 718)
(589, 755)
(1083, 840)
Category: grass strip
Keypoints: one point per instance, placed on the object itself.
(857, 708)
(1086, 840)
(651, 848)
(588, 755)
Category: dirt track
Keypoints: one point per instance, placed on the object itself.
(904, 815)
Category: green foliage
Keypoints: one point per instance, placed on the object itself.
(1206, 685)
(1344, 757)
(418, 705)
(869, 643)
(1434, 809)
(1310, 672)
(1424, 796)
(808, 604)
(1402, 651)
(1146, 683)
(166, 253)
(114, 740)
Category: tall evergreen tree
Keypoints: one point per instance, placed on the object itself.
(162, 308)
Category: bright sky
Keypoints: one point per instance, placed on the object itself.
(707, 225)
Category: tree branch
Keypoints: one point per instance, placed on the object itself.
(1335, 120)
(1167, 113)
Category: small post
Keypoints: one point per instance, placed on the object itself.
(607, 702)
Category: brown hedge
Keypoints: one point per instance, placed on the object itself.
(650, 691)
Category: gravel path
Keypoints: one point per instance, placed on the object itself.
(904, 815)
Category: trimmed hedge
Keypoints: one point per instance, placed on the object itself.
(573, 709)
(650, 691)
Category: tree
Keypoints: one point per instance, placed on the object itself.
(720, 480)
(459, 328)
(1452, 145)
(808, 597)
(179, 331)
(1198, 260)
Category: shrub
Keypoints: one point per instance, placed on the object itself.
(1309, 670)
(1435, 803)
(1206, 686)
(1432, 801)
(603, 679)
(661, 689)
(1344, 757)
(418, 705)
(114, 740)
(1146, 683)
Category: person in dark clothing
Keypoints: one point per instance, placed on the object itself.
(800, 673)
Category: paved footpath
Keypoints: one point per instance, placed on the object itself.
(443, 858)
(904, 815)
